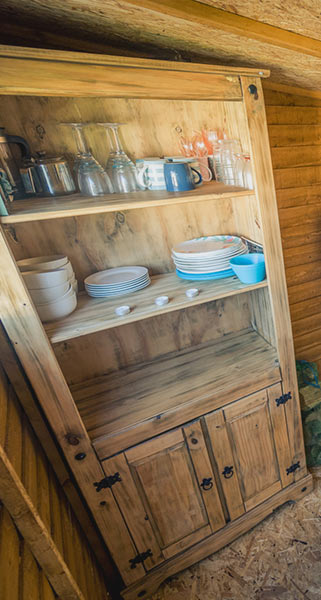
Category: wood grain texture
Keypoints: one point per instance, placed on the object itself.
(105, 352)
(220, 538)
(218, 436)
(92, 314)
(298, 194)
(120, 409)
(167, 483)
(35, 500)
(43, 371)
(204, 470)
(263, 176)
(24, 211)
(33, 415)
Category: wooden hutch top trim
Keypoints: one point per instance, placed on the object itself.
(28, 71)
(119, 61)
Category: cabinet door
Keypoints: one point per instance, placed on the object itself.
(251, 448)
(176, 488)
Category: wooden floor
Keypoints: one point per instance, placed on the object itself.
(278, 559)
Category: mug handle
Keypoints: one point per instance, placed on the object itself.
(143, 180)
(210, 174)
(199, 175)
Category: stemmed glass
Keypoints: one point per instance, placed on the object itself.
(119, 167)
(91, 177)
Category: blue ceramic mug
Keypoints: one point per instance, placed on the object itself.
(179, 177)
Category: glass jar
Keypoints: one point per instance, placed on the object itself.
(228, 152)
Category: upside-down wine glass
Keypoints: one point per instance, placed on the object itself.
(119, 167)
(92, 178)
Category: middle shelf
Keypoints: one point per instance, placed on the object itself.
(98, 314)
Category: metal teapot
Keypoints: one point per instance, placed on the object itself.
(8, 163)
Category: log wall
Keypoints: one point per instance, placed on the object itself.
(295, 136)
(43, 550)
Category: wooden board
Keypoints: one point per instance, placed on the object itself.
(37, 357)
(102, 353)
(263, 176)
(92, 314)
(23, 211)
(196, 379)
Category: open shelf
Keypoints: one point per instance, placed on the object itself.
(97, 314)
(125, 407)
(40, 209)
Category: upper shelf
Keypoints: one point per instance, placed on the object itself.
(98, 314)
(40, 209)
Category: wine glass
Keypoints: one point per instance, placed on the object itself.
(91, 177)
(119, 167)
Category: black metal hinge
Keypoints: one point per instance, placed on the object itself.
(107, 482)
(283, 399)
(140, 558)
(293, 468)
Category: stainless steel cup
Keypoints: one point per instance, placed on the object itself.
(55, 175)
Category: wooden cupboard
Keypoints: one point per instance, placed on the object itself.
(181, 424)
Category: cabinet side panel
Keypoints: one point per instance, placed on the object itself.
(264, 186)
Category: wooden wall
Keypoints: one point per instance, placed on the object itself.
(43, 551)
(295, 135)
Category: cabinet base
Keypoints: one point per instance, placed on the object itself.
(149, 584)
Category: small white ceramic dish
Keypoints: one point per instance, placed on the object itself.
(51, 311)
(192, 292)
(36, 280)
(161, 300)
(49, 294)
(42, 263)
(121, 311)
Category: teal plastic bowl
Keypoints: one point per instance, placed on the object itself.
(250, 268)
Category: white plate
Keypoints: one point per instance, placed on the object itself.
(114, 294)
(218, 245)
(116, 276)
(116, 287)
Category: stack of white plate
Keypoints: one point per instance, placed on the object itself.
(52, 285)
(117, 282)
(207, 257)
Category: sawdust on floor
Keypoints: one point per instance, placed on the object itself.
(280, 559)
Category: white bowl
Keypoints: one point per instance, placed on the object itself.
(68, 267)
(50, 294)
(51, 311)
(36, 280)
(42, 263)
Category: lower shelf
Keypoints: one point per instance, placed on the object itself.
(130, 405)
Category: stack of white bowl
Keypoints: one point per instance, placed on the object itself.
(52, 285)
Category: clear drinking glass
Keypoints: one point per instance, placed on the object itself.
(248, 176)
(119, 167)
(228, 152)
(91, 177)
(239, 170)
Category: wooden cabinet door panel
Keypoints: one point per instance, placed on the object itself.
(216, 426)
(204, 471)
(257, 452)
(250, 433)
(133, 510)
(165, 478)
